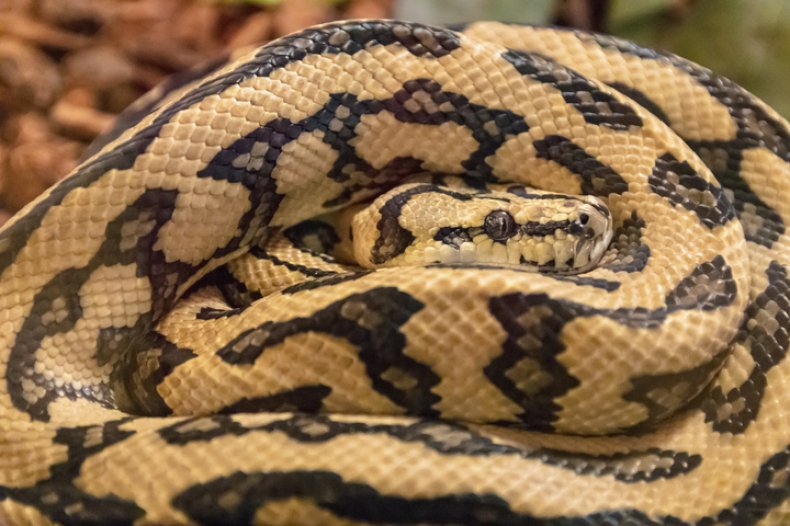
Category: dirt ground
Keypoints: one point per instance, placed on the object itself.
(68, 67)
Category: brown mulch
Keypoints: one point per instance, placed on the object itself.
(67, 67)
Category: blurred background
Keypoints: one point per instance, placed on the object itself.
(67, 67)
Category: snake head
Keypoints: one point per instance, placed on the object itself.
(420, 224)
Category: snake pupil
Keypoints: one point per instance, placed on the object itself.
(500, 225)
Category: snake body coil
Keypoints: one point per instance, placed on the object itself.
(177, 344)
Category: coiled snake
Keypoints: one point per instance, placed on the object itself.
(178, 345)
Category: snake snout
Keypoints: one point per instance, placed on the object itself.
(594, 226)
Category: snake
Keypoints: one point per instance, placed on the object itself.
(383, 272)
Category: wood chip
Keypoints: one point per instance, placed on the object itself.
(4, 216)
(36, 156)
(32, 77)
(256, 29)
(86, 17)
(294, 15)
(196, 28)
(43, 34)
(79, 120)
(67, 67)
(101, 67)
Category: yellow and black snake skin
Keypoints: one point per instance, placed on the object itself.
(178, 344)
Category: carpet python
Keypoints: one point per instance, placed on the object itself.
(184, 339)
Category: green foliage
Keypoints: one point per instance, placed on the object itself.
(745, 40)
(450, 11)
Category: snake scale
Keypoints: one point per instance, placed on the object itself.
(179, 346)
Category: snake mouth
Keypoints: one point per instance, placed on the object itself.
(569, 246)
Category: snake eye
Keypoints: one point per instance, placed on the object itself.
(584, 218)
(499, 225)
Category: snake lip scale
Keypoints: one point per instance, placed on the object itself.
(299, 287)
